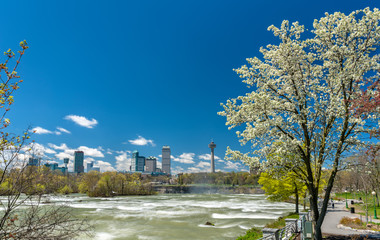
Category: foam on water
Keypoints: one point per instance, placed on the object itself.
(104, 236)
(175, 216)
(242, 216)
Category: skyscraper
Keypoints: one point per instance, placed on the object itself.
(151, 164)
(166, 159)
(138, 162)
(78, 162)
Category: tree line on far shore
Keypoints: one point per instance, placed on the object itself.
(42, 180)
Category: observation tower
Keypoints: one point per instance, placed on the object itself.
(212, 145)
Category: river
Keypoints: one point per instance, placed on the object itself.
(175, 216)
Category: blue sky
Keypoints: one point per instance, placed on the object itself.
(110, 77)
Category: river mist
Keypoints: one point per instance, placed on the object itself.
(175, 216)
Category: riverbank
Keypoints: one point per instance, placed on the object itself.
(206, 189)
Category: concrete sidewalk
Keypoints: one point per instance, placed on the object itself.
(333, 217)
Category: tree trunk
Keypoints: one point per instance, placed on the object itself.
(297, 197)
(315, 214)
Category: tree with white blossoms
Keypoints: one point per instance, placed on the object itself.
(302, 98)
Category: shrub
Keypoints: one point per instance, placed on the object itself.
(65, 190)
(351, 222)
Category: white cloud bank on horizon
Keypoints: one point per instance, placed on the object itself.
(69, 152)
(141, 141)
(187, 158)
(123, 162)
(82, 121)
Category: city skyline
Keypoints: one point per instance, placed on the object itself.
(108, 78)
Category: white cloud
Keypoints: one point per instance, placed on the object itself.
(123, 162)
(233, 165)
(91, 152)
(141, 141)
(110, 151)
(177, 170)
(38, 150)
(63, 155)
(159, 164)
(88, 160)
(63, 146)
(203, 165)
(60, 129)
(187, 158)
(49, 151)
(69, 152)
(82, 121)
(193, 169)
(207, 156)
(40, 130)
(105, 166)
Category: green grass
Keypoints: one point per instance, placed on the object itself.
(293, 215)
(252, 234)
(359, 207)
(280, 222)
(353, 195)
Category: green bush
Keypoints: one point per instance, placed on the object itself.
(65, 190)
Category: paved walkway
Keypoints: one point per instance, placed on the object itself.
(333, 217)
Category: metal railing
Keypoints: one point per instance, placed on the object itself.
(292, 227)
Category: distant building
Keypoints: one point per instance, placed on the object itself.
(90, 167)
(34, 162)
(151, 164)
(166, 159)
(66, 161)
(137, 162)
(78, 162)
(54, 166)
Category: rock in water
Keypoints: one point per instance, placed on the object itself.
(209, 224)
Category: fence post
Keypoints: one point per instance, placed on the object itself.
(291, 225)
(270, 232)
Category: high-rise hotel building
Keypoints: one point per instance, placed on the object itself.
(78, 162)
(138, 162)
(166, 159)
(151, 164)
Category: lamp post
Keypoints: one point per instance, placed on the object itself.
(346, 198)
(374, 205)
(358, 194)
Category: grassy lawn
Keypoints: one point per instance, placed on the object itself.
(360, 206)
